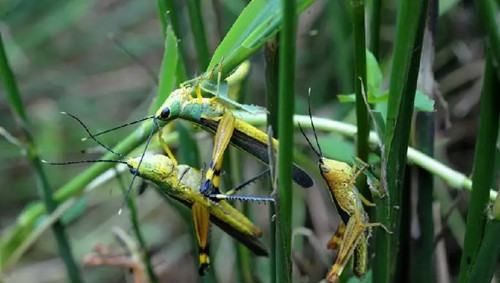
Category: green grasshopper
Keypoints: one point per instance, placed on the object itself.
(352, 235)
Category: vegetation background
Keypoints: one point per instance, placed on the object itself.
(100, 60)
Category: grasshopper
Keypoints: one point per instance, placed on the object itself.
(352, 235)
(182, 183)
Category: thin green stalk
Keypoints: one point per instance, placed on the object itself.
(358, 19)
(488, 255)
(422, 249)
(44, 189)
(271, 55)
(286, 104)
(483, 171)
(405, 68)
(134, 219)
(423, 269)
(200, 38)
(340, 19)
(375, 27)
(487, 11)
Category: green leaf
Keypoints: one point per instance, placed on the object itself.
(335, 146)
(257, 22)
(168, 70)
(374, 76)
(423, 102)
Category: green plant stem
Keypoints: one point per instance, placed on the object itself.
(487, 11)
(488, 255)
(44, 189)
(422, 247)
(423, 267)
(286, 104)
(483, 171)
(271, 54)
(200, 38)
(358, 19)
(375, 27)
(405, 70)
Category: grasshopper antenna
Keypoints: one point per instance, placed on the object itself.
(318, 151)
(134, 57)
(311, 119)
(85, 161)
(248, 182)
(90, 134)
(119, 127)
(136, 171)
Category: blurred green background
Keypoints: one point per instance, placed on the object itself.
(68, 56)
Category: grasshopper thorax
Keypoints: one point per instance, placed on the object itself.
(155, 168)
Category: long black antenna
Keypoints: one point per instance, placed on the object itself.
(309, 141)
(90, 134)
(85, 161)
(249, 181)
(136, 172)
(134, 57)
(311, 119)
(119, 127)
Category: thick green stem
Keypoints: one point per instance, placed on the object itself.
(44, 188)
(358, 19)
(487, 11)
(405, 69)
(483, 171)
(422, 267)
(286, 104)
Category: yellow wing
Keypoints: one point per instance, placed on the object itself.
(201, 220)
(222, 138)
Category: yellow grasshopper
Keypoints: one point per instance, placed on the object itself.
(352, 235)
(182, 183)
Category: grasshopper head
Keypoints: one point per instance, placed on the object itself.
(172, 107)
(155, 168)
(335, 171)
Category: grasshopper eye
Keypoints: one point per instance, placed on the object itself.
(165, 113)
